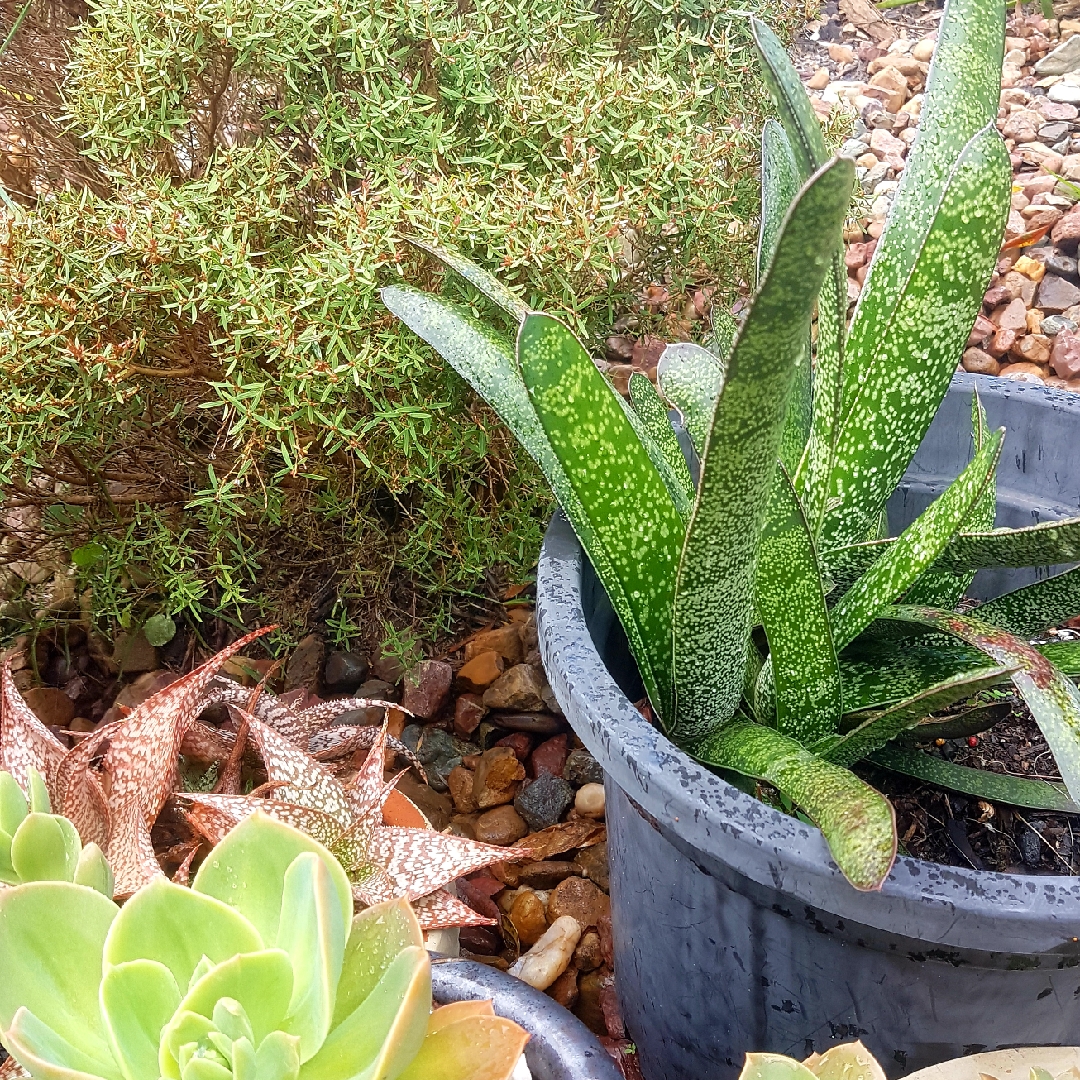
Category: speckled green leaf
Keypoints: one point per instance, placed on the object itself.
(486, 361)
(1047, 544)
(943, 588)
(876, 731)
(479, 278)
(809, 152)
(714, 606)
(905, 361)
(1064, 655)
(1053, 700)
(1011, 790)
(917, 547)
(1035, 607)
(1038, 545)
(857, 822)
(690, 377)
(657, 435)
(973, 720)
(880, 675)
(721, 335)
(791, 605)
(621, 494)
(779, 185)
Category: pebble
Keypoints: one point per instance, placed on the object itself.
(497, 778)
(529, 916)
(1061, 265)
(469, 710)
(506, 641)
(133, 653)
(1030, 847)
(345, 671)
(536, 723)
(582, 768)
(1065, 58)
(1056, 294)
(547, 873)
(551, 954)
(460, 783)
(51, 706)
(588, 955)
(481, 671)
(593, 862)
(1054, 324)
(580, 898)
(1065, 93)
(564, 990)
(520, 688)
(427, 686)
(543, 802)
(549, 757)
(589, 801)
(1065, 355)
(500, 826)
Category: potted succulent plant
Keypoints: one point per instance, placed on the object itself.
(780, 634)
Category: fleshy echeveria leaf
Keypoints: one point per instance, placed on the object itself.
(857, 821)
(714, 606)
(629, 511)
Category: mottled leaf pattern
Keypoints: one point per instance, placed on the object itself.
(1053, 700)
(791, 605)
(1011, 790)
(917, 547)
(479, 278)
(653, 414)
(487, 362)
(24, 740)
(441, 909)
(1064, 655)
(876, 731)
(905, 362)
(1035, 607)
(857, 821)
(690, 377)
(714, 607)
(1038, 545)
(628, 508)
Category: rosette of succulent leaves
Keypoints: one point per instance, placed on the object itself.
(258, 971)
(780, 634)
(135, 761)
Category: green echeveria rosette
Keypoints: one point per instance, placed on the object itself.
(38, 845)
(259, 971)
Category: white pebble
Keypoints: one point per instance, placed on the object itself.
(549, 957)
(590, 800)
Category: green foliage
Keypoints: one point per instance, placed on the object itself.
(196, 354)
(38, 845)
(259, 971)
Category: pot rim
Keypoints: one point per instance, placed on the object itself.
(954, 906)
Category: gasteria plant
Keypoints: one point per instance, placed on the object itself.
(259, 971)
(797, 459)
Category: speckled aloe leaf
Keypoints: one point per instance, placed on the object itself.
(874, 678)
(648, 417)
(779, 186)
(809, 152)
(623, 498)
(714, 606)
(487, 362)
(1012, 790)
(1064, 655)
(857, 821)
(942, 588)
(917, 547)
(1053, 700)
(1035, 607)
(653, 416)
(791, 605)
(903, 364)
(876, 731)
(479, 278)
(690, 377)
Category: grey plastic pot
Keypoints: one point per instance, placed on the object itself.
(733, 928)
(561, 1047)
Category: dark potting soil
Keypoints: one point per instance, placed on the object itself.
(960, 830)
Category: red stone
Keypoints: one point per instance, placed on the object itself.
(480, 939)
(982, 330)
(1001, 342)
(1066, 233)
(1065, 357)
(478, 892)
(519, 742)
(469, 710)
(427, 686)
(997, 295)
(549, 757)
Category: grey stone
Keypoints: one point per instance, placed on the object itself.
(1056, 294)
(1060, 264)
(1030, 847)
(305, 664)
(1055, 324)
(582, 768)
(439, 752)
(379, 690)
(544, 801)
(344, 671)
(1054, 132)
(1066, 57)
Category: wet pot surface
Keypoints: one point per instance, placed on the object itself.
(734, 931)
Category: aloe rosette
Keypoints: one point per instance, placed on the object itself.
(779, 632)
(259, 971)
